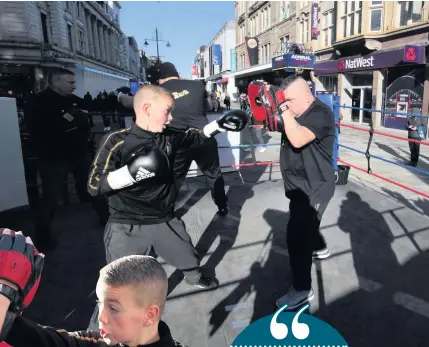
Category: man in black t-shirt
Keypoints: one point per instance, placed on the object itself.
(306, 159)
(191, 100)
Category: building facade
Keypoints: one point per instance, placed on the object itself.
(374, 56)
(83, 36)
(218, 57)
(265, 29)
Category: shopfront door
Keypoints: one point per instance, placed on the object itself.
(361, 98)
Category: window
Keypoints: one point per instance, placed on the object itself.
(284, 10)
(81, 41)
(350, 18)
(44, 19)
(79, 10)
(328, 28)
(67, 6)
(304, 30)
(376, 15)
(410, 12)
(330, 83)
(70, 36)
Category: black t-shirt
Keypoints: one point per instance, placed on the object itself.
(188, 103)
(310, 167)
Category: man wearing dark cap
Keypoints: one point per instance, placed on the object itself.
(191, 100)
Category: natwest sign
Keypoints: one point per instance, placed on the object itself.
(356, 63)
(407, 55)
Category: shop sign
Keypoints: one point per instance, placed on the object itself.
(293, 61)
(378, 60)
(356, 63)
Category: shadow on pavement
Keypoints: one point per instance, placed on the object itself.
(226, 228)
(376, 314)
(268, 275)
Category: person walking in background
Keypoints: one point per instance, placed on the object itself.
(227, 102)
(415, 128)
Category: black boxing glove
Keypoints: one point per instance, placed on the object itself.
(145, 164)
(234, 121)
(21, 266)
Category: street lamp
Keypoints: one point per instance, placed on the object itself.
(156, 40)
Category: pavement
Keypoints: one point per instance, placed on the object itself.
(373, 289)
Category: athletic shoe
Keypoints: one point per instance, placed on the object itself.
(321, 253)
(223, 211)
(204, 283)
(262, 149)
(295, 298)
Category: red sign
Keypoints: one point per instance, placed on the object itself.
(194, 70)
(410, 54)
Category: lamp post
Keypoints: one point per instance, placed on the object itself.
(157, 40)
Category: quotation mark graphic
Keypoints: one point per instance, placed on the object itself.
(280, 331)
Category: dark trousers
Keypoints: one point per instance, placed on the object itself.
(303, 234)
(168, 240)
(415, 152)
(206, 157)
(53, 175)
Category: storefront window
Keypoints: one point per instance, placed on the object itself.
(410, 12)
(330, 83)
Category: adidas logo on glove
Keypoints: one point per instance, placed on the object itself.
(142, 174)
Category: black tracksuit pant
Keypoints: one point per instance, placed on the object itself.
(415, 152)
(206, 157)
(303, 234)
(169, 240)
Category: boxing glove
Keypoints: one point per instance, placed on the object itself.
(143, 165)
(21, 266)
(234, 121)
(267, 103)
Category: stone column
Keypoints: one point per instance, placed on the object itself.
(112, 47)
(96, 39)
(102, 44)
(89, 35)
(377, 96)
(344, 92)
(107, 45)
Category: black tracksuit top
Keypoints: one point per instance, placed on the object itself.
(25, 333)
(150, 202)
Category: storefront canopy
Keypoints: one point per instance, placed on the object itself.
(378, 60)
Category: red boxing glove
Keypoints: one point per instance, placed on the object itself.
(265, 102)
(20, 264)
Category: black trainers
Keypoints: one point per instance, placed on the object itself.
(223, 211)
(205, 283)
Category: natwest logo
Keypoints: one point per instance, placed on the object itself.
(356, 63)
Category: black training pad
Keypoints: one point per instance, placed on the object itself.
(369, 289)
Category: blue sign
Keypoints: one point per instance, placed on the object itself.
(217, 55)
(293, 61)
(284, 329)
(233, 60)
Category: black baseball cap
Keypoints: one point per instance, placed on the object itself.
(167, 70)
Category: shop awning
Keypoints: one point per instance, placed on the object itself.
(409, 54)
(250, 71)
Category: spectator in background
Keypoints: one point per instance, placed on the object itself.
(415, 128)
(57, 122)
(227, 102)
(89, 107)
